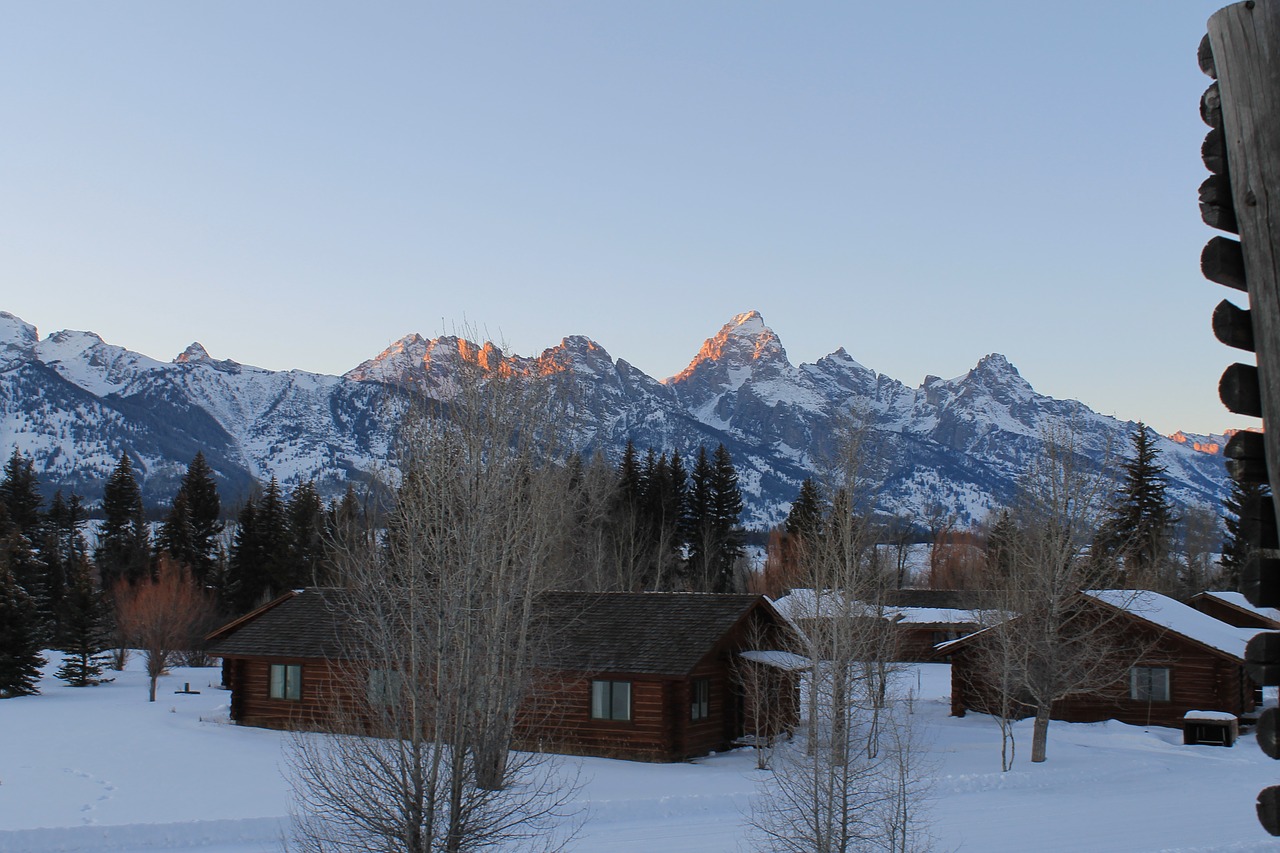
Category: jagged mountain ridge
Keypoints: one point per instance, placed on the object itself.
(947, 447)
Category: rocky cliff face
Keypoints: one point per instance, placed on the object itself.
(953, 446)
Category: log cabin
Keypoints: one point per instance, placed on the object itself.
(643, 676)
(1183, 660)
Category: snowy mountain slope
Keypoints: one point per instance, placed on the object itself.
(73, 402)
(954, 445)
(946, 448)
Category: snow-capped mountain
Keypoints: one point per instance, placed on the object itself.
(957, 446)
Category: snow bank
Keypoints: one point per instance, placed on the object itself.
(262, 832)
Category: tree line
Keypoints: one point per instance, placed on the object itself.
(641, 524)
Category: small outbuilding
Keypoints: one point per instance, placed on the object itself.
(649, 676)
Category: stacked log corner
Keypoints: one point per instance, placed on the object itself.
(1242, 196)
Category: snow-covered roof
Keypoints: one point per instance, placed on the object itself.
(808, 604)
(813, 604)
(1177, 617)
(938, 616)
(1237, 599)
(777, 658)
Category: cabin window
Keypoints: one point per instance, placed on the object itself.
(1149, 683)
(286, 681)
(611, 700)
(701, 698)
(383, 687)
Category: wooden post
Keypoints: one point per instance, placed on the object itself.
(1245, 42)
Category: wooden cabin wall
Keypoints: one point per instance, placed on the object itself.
(322, 684)
(1199, 680)
(557, 718)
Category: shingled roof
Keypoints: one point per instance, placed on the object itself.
(651, 633)
(304, 624)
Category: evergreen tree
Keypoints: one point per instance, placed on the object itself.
(20, 639)
(700, 528)
(727, 511)
(204, 508)
(1001, 541)
(1242, 503)
(629, 477)
(176, 536)
(62, 545)
(20, 494)
(21, 535)
(678, 489)
(306, 525)
(261, 564)
(246, 581)
(1137, 532)
(20, 561)
(86, 628)
(124, 550)
(804, 520)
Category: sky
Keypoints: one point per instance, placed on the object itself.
(300, 184)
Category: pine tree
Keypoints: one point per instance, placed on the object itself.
(261, 564)
(804, 520)
(204, 507)
(246, 581)
(20, 639)
(629, 477)
(21, 535)
(699, 527)
(20, 494)
(124, 550)
(1137, 532)
(86, 628)
(1001, 541)
(1242, 503)
(345, 529)
(62, 545)
(176, 536)
(19, 559)
(305, 512)
(727, 510)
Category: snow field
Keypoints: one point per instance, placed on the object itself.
(101, 769)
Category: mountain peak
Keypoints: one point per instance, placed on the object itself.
(743, 342)
(193, 353)
(18, 339)
(16, 332)
(996, 363)
(747, 324)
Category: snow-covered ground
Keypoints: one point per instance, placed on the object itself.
(102, 769)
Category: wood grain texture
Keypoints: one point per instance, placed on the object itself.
(1245, 41)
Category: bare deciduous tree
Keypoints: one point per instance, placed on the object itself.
(1040, 645)
(852, 784)
(163, 616)
(444, 633)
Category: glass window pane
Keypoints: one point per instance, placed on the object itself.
(600, 700)
(621, 700)
(277, 681)
(293, 682)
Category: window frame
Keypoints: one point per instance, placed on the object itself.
(284, 682)
(1150, 684)
(607, 695)
(383, 687)
(700, 700)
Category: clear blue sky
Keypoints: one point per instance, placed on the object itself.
(296, 185)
